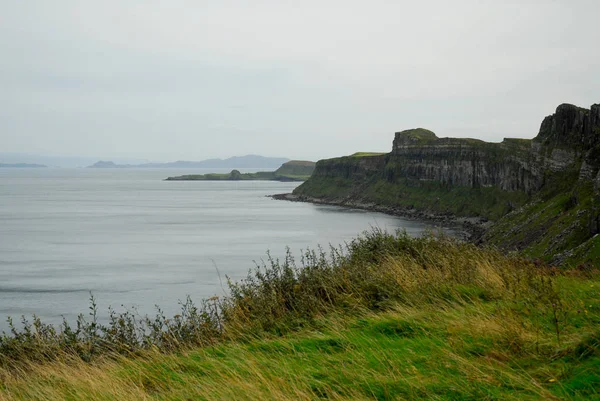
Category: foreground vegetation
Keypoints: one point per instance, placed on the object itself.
(386, 317)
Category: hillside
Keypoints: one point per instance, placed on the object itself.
(543, 194)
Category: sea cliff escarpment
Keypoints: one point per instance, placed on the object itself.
(463, 162)
(557, 173)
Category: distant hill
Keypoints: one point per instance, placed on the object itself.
(21, 165)
(103, 164)
(59, 161)
(248, 161)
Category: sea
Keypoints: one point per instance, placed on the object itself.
(135, 241)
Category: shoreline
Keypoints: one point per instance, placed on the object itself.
(470, 229)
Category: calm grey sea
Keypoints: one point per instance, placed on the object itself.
(134, 240)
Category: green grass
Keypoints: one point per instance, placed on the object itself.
(388, 318)
(474, 350)
(487, 202)
(366, 154)
(296, 168)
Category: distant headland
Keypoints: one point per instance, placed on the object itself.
(294, 170)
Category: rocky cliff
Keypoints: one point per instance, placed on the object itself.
(463, 162)
(467, 177)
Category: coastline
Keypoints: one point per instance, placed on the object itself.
(471, 229)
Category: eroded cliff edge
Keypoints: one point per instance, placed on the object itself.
(542, 195)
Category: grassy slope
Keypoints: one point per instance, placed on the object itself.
(491, 203)
(555, 223)
(394, 319)
(296, 168)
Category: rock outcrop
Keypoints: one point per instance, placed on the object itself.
(570, 136)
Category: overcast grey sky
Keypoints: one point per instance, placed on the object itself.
(167, 80)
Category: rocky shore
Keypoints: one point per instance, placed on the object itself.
(469, 228)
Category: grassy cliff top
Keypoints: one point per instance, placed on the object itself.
(422, 136)
(418, 133)
(367, 154)
(306, 163)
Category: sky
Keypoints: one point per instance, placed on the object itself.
(190, 80)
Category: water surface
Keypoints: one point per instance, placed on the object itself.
(132, 239)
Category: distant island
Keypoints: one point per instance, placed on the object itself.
(294, 170)
(248, 161)
(21, 165)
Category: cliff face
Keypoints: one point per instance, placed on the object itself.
(571, 127)
(567, 140)
(463, 162)
(470, 177)
(570, 136)
(356, 168)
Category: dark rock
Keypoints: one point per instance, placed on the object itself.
(463, 162)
